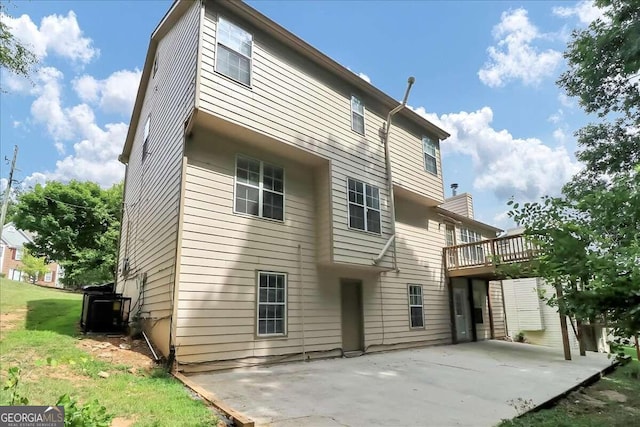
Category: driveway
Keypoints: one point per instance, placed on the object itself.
(475, 384)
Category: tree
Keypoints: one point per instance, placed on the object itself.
(33, 267)
(14, 56)
(76, 224)
(589, 237)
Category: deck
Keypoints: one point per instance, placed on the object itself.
(480, 259)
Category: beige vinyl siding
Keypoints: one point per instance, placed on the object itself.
(419, 243)
(462, 204)
(222, 251)
(527, 313)
(324, 212)
(299, 104)
(152, 189)
(497, 308)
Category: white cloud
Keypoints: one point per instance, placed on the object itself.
(47, 108)
(560, 136)
(364, 77)
(565, 101)
(586, 11)
(508, 166)
(557, 117)
(514, 57)
(56, 34)
(115, 94)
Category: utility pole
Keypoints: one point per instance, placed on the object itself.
(7, 191)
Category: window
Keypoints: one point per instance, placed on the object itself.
(471, 254)
(233, 53)
(259, 189)
(48, 276)
(18, 255)
(155, 65)
(357, 115)
(147, 126)
(416, 316)
(450, 240)
(429, 149)
(364, 206)
(272, 303)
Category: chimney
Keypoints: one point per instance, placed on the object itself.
(454, 189)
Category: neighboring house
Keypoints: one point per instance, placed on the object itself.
(11, 252)
(529, 314)
(259, 224)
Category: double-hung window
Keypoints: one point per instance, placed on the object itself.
(272, 303)
(145, 138)
(429, 150)
(357, 115)
(259, 188)
(364, 206)
(48, 277)
(416, 307)
(471, 254)
(18, 256)
(234, 50)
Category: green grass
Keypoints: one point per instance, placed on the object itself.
(43, 343)
(593, 406)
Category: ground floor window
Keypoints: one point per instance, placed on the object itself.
(416, 307)
(272, 303)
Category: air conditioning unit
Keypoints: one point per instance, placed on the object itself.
(104, 311)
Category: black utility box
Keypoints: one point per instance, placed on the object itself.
(103, 310)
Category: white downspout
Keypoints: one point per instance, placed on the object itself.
(301, 296)
(392, 206)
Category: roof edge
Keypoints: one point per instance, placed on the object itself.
(467, 220)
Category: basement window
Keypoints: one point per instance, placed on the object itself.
(416, 307)
(272, 303)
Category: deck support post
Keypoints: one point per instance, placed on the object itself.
(563, 324)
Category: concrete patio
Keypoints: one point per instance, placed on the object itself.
(471, 384)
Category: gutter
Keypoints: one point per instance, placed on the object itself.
(392, 205)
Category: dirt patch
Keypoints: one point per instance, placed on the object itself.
(9, 321)
(613, 395)
(122, 422)
(119, 351)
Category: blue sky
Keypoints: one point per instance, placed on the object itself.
(485, 71)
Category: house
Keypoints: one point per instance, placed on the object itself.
(11, 252)
(530, 315)
(278, 207)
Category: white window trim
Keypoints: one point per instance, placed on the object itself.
(260, 188)
(416, 305)
(364, 118)
(285, 320)
(366, 208)
(215, 65)
(19, 254)
(434, 157)
(145, 137)
(48, 274)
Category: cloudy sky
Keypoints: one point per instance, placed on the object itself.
(485, 72)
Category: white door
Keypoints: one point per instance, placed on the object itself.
(461, 313)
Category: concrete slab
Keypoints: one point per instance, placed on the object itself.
(475, 384)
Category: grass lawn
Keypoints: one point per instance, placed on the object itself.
(614, 401)
(39, 334)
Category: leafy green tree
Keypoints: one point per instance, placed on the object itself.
(14, 56)
(33, 267)
(77, 225)
(589, 238)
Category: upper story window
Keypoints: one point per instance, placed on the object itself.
(259, 188)
(429, 149)
(234, 50)
(48, 277)
(469, 236)
(364, 206)
(474, 253)
(357, 115)
(147, 126)
(155, 65)
(18, 256)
